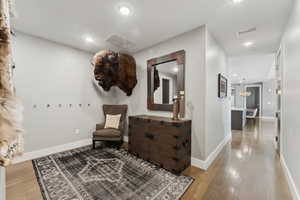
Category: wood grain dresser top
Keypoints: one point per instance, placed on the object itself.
(159, 118)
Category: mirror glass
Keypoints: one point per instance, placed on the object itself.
(165, 82)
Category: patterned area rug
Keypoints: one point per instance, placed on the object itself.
(87, 174)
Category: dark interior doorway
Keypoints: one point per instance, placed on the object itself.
(165, 91)
(253, 101)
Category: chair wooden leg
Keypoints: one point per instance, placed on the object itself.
(94, 144)
(119, 145)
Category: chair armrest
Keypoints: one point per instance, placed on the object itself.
(100, 126)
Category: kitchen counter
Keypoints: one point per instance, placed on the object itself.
(238, 118)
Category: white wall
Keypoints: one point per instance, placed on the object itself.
(50, 73)
(194, 44)
(253, 68)
(217, 114)
(291, 98)
(269, 98)
(239, 100)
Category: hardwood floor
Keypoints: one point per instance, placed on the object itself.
(247, 168)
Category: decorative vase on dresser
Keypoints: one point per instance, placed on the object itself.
(162, 141)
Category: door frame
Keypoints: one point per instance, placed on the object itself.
(279, 56)
(260, 96)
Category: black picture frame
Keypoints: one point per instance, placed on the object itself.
(222, 86)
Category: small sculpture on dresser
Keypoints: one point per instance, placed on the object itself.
(178, 106)
(181, 104)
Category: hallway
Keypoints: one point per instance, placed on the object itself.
(247, 169)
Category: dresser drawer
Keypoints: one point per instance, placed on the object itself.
(162, 141)
(139, 148)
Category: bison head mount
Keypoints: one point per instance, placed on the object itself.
(115, 69)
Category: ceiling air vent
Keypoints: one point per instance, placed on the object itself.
(120, 42)
(250, 30)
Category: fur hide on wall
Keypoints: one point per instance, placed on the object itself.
(156, 79)
(115, 69)
(11, 140)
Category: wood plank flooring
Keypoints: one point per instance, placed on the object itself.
(248, 168)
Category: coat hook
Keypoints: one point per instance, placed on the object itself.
(59, 105)
(89, 105)
(80, 105)
(34, 106)
(70, 105)
(48, 105)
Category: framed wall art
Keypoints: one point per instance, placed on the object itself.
(222, 86)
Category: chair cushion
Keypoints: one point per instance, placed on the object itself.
(112, 121)
(107, 133)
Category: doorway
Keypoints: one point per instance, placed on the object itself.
(253, 100)
(165, 91)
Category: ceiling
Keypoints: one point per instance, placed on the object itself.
(70, 22)
(251, 69)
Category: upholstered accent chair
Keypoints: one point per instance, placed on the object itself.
(251, 114)
(111, 134)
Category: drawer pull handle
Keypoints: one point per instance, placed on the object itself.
(176, 136)
(175, 159)
(177, 125)
(150, 136)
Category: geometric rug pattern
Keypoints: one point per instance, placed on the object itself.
(105, 174)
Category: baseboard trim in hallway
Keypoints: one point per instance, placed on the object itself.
(289, 178)
(55, 149)
(65, 147)
(51, 150)
(212, 156)
(268, 118)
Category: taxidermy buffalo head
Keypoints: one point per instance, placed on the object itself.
(115, 69)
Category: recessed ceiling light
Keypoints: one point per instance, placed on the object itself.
(248, 44)
(124, 10)
(234, 75)
(88, 39)
(237, 1)
(176, 69)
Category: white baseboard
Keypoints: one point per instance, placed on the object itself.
(198, 163)
(212, 156)
(51, 150)
(268, 118)
(290, 180)
(65, 147)
(56, 149)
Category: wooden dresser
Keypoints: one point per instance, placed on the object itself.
(161, 140)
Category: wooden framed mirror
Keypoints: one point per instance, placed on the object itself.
(166, 79)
